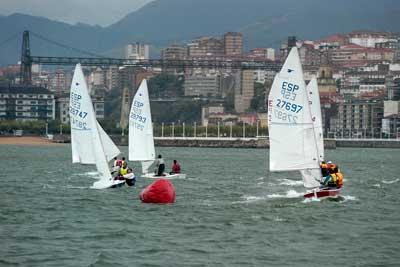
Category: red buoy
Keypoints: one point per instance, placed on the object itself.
(161, 191)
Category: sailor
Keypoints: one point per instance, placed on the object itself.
(331, 166)
(124, 169)
(115, 162)
(339, 176)
(122, 161)
(176, 168)
(160, 165)
(324, 169)
(127, 173)
(116, 166)
(339, 182)
(329, 181)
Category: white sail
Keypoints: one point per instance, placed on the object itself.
(291, 130)
(87, 147)
(146, 165)
(311, 177)
(141, 143)
(315, 104)
(110, 149)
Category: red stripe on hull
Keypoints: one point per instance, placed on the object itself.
(321, 193)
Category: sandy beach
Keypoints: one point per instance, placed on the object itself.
(24, 140)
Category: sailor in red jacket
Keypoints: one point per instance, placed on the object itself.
(176, 168)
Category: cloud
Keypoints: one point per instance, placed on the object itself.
(101, 12)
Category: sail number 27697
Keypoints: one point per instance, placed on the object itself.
(288, 106)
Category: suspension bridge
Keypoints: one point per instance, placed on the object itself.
(92, 59)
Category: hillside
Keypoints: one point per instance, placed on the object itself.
(262, 22)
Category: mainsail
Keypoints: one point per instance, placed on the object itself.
(291, 129)
(315, 105)
(87, 137)
(141, 142)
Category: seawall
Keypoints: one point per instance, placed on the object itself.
(211, 142)
(246, 142)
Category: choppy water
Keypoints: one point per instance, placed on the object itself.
(229, 212)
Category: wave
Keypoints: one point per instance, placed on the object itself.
(249, 199)
(289, 194)
(278, 219)
(45, 186)
(92, 174)
(311, 199)
(349, 198)
(391, 182)
(76, 187)
(290, 182)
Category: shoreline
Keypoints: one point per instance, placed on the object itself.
(191, 142)
(25, 140)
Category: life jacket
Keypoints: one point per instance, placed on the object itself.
(339, 182)
(332, 181)
(119, 163)
(176, 168)
(123, 171)
(333, 178)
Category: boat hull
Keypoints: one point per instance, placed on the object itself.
(323, 193)
(108, 184)
(165, 176)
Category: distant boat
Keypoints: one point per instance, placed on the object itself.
(90, 143)
(141, 141)
(295, 127)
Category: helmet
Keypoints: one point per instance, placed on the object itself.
(329, 162)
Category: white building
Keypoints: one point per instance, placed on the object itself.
(26, 103)
(137, 51)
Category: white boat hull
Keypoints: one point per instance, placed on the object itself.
(165, 176)
(108, 184)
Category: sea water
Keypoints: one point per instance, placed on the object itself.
(230, 211)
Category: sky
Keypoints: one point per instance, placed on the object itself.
(100, 12)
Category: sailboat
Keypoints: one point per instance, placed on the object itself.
(141, 141)
(295, 127)
(89, 142)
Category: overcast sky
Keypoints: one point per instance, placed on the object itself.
(101, 12)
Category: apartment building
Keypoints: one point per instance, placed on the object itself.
(245, 92)
(207, 86)
(137, 51)
(391, 119)
(359, 117)
(233, 43)
(205, 46)
(26, 103)
(174, 52)
(62, 107)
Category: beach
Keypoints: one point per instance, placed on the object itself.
(25, 140)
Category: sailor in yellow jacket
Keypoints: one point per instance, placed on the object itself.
(334, 178)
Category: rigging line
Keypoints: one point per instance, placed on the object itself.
(66, 46)
(9, 39)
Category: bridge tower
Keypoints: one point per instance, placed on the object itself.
(26, 61)
(125, 109)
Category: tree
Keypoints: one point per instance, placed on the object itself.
(258, 101)
(166, 85)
